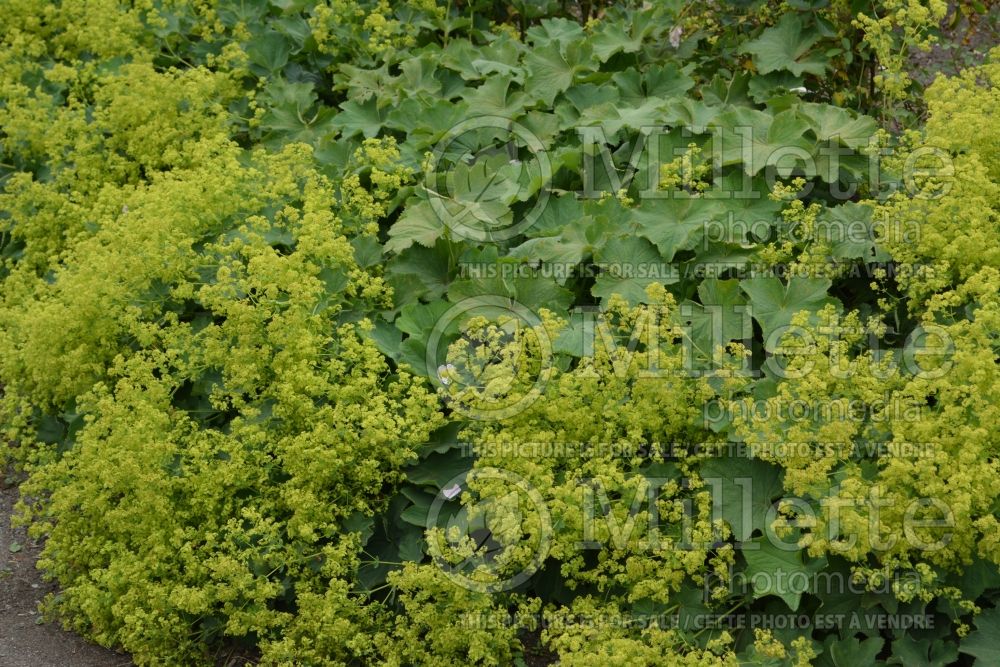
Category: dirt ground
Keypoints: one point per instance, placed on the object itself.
(24, 640)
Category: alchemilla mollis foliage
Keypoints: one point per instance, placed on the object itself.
(444, 333)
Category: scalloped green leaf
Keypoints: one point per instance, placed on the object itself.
(628, 265)
(419, 223)
(775, 303)
(984, 643)
(780, 571)
(788, 45)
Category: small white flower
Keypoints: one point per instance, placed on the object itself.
(443, 373)
(451, 492)
(675, 36)
(799, 89)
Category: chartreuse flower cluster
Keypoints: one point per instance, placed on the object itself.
(927, 504)
(894, 28)
(621, 527)
(232, 414)
(213, 391)
(196, 313)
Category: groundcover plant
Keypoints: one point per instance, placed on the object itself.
(458, 332)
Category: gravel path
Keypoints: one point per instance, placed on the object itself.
(24, 640)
